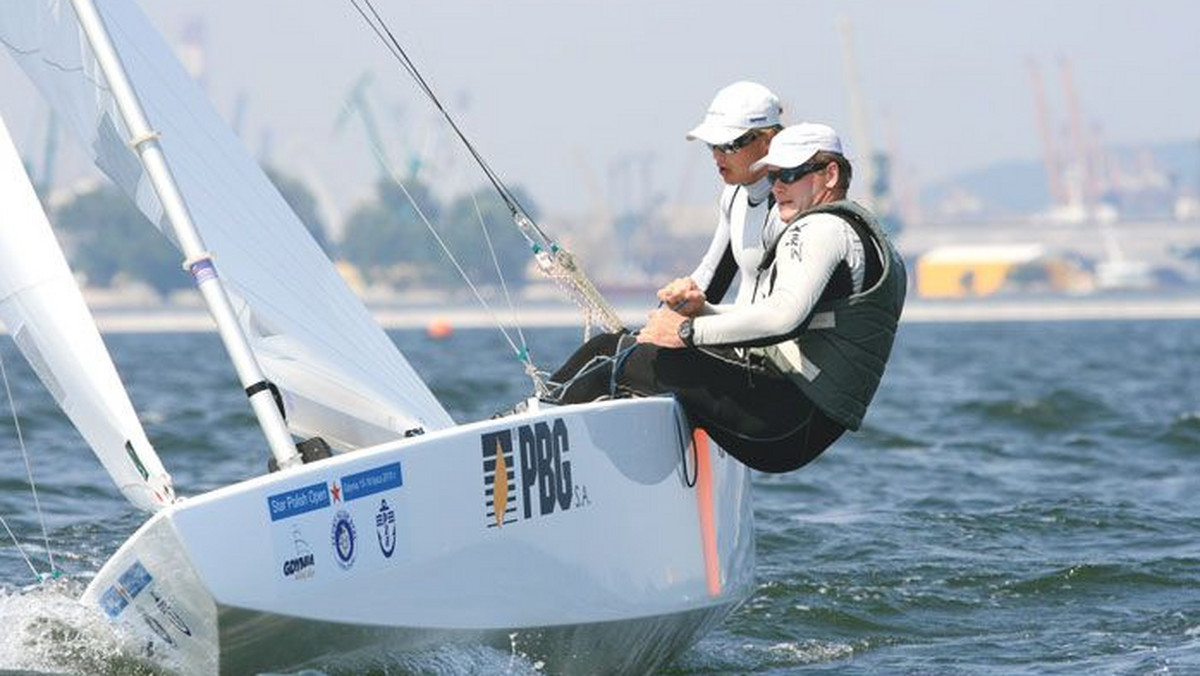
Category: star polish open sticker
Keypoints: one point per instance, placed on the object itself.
(336, 491)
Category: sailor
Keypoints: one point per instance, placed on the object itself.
(777, 380)
(737, 129)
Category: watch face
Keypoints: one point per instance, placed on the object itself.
(685, 330)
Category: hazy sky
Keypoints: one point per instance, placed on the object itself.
(557, 93)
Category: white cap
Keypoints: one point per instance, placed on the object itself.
(797, 144)
(736, 109)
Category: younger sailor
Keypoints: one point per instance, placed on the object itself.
(777, 380)
(737, 129)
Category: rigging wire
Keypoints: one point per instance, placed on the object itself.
(28, 561)
(555, 261)
(496, 264)
(381, 29)
(539, 383)
(12, 405)
(522, 352)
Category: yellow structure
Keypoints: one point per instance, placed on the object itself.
(967, 271)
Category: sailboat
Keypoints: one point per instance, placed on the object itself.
(600, 538)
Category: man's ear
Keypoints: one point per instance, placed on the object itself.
(833, 172)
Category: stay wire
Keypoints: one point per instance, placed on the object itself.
(12, 405)
(499, 273)
(377, 24)
(539, 384)
(521, 352)
(28, 561)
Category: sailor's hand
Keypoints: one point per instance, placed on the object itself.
(683, 296)
(662, 329)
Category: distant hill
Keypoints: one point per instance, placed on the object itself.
(1152, 176)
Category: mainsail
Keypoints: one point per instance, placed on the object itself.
(44, 312)
(340, 375)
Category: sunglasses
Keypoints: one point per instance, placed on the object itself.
(790, 176)
(736, 144)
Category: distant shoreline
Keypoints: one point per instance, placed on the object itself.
(192, 319)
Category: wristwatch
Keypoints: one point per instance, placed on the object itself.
(685, 332)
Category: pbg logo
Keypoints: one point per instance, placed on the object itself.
(545, 469)
(534, 471)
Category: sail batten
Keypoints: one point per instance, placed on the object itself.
(275, 273)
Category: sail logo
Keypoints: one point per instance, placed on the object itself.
(303, 565)
(344, 538)
(529, 465)
(385, 529)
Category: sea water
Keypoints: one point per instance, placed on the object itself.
(1022, 499)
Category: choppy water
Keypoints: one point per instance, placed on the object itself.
(1022, 500)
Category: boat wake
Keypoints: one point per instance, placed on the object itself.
(47, 630)
(446, 660)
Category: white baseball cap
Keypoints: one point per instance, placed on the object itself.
(736, 109)
(798, 143)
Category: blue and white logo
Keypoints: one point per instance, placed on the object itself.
(385, 529)
(302, 566)
(344, 538)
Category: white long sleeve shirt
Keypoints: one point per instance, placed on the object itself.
(744, 211)
(810, 251)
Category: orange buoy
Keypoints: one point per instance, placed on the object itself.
(438, 328)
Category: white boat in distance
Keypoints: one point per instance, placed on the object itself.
(599, 539)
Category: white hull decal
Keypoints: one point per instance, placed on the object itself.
(128, 586)
(527, 471)
(334, 512)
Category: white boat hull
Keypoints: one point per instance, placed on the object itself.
(603, 558)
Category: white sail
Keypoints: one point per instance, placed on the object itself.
(340, 375)
(45, 314)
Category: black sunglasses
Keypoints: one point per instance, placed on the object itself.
(790, 176)
(736, 144)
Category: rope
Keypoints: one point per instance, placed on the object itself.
(597, 362)
(682, 426)
(28, 470)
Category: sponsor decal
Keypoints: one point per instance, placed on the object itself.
(344, 538)
(112, 602)
(385, 528)
(168, 611)
(348, 501)
(499, 478)
(137, 462)
(298, 501)
(203, 271)
(128, 586)
(794, 245)
(303, 565)
(370, 482)
(538, 464)
(158, 628)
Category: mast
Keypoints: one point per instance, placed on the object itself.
(197, 259)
